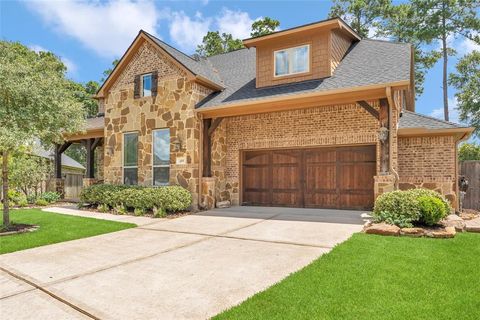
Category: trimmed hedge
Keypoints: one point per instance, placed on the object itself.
(406, 208)
(168, 198)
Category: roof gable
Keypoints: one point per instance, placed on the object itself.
(194, 70)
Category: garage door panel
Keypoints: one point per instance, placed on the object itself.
(333, 177)
(356, 176)
(320, 177)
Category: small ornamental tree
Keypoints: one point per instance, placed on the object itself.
(36, 101)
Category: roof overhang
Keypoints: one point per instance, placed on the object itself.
(87, 134)
(333, 23)
(301, 101)
(459, 133)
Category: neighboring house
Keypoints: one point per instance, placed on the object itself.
(312, 116)
(72, 173)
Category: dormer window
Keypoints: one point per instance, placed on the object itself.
(147, 85)
(292, 61)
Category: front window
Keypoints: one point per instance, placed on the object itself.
(161, 157)
(130, 158)
(147, 85)
(292, 60)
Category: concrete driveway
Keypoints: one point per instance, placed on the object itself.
(187, 268)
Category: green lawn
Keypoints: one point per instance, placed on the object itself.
(375, 277)
(54, 228)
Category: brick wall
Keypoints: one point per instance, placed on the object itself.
(428, 162)
(321, 126)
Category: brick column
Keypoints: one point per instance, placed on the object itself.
(383, 184)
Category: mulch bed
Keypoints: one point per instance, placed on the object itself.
(148, 214)
(15, 228)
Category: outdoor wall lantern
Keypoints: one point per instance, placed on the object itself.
(383, 134)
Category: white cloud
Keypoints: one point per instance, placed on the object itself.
(106, 27)
(453, 113)
(237, 23)
(188, 32)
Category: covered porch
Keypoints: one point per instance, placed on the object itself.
(92, 139)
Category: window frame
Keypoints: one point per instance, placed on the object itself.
(290, 58)
(142, 77)
(153, 158)
(123, 156)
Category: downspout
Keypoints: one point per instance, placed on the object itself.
(390, 136)
(200, 161)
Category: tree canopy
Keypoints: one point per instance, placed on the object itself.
(262, 27)
(469, 151)
(36, 101)
(467, 82)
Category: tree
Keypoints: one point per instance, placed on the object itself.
(264, 26)
(469, 151)
(107, 72)
(362, 15)
(213, 43)
(443, 20)
(467, 82)
(27, 172)
(36, 101)
(400, 24)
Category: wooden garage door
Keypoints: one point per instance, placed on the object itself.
(339, 177)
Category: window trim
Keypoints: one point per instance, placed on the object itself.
(123, 156)
(293, 74)
(160, 165)
(142, 76)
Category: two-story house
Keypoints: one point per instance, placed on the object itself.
(313, 116)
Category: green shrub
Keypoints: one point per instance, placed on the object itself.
(31, 198)
(169, 198)
(403, 208)
(50, 196)
(41, 202)
(139, 211)
(23, 203)
(432, 210)
(159, 212)
(15, 197)
(103, 208)
(120, 209)
(397, 207)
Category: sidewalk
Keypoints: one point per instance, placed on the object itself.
(70, 210)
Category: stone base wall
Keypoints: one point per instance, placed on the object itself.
(428, 162)
(383, 184)
(208, 193)
(59, 186)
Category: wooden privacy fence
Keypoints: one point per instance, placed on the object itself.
(471, 170)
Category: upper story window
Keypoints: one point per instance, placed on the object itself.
(147, 85)
(292, 60)
(130, 158)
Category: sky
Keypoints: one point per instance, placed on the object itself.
(89, 35)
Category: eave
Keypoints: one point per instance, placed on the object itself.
(459, 133)
(324, 25)
(301, 101)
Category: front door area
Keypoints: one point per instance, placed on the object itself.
(327, 177)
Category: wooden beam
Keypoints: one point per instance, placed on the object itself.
(90, 158)
(207, 148)
(369, 108)
(384, 145)
(64, 146)
(96, 143)
(216, 122)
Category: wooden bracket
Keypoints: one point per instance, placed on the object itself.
(216, 122)
(369, 109)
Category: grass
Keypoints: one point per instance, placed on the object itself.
(54, 228)
(375, 277)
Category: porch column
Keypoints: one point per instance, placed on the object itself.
(90, 145)
(384, 134)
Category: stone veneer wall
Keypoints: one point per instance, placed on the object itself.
(320, 126)
(428, 162)
(173, 108)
